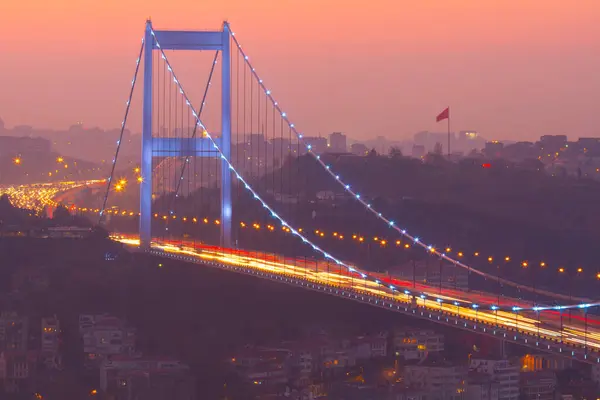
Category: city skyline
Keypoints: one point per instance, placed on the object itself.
(509, 71)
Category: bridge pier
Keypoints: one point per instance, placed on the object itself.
(185, 147)
(146, 163)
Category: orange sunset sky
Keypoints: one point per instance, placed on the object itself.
(511, 69)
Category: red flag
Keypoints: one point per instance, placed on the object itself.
(443, 115)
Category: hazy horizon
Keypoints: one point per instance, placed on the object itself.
(510, 70)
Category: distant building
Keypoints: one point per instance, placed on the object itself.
(317, 145)
(359, 391)
(359, 149)
(417, 344)
(282, 147)
(502, 371)
(17, 368)
(467, 141)
(468, 135)
(367, 347)
(433, 375)
(337, 143)
(430, 139)
(418, 151)
(11, 146)
(590, 147)
(553, 143)
(14, 332)
(481, 386)
(588, 142)
(146, 378)
(256, 140)
(493, 148)
(596, 373)
(49, 349)
(105, 335)
(540, 385)
(520, 151)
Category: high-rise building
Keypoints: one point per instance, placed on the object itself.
(337, 143)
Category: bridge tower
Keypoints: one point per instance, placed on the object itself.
(185, 147)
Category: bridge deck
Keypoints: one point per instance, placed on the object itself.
(545, 331)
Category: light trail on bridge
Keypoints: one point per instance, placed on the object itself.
(547, 325)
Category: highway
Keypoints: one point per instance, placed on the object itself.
(572, 331)
(549, 326)
(38, 196)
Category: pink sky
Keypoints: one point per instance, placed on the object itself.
(511, 69)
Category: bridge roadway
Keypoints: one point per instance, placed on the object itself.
(551, 331)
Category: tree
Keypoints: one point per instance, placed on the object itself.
(395, 152)
(5, 202)
(372, 153)
(438, 149)
(61, 215)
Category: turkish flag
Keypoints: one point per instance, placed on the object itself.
(443, 115)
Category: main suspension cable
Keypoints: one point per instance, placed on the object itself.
(123, 124)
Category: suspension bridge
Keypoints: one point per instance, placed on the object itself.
(253, 163)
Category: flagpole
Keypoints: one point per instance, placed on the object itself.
(448, 132)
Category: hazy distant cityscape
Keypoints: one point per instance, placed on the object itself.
(556, 154)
